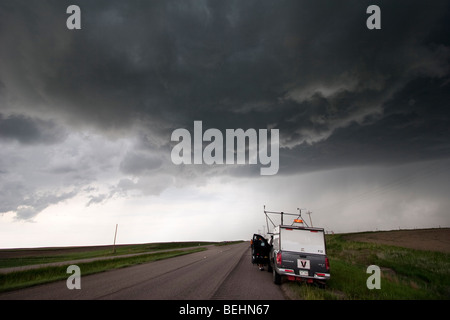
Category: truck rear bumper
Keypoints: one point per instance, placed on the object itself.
(291, 275)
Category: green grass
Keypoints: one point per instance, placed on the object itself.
(405, 273)
(22, 279)
(226, 243)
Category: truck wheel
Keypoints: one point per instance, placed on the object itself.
(276, 277)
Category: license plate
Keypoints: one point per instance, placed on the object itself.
(303, 273)
(303, 264)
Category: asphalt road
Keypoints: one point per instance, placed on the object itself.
(221, 272)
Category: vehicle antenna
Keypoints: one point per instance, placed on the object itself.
(309, 214)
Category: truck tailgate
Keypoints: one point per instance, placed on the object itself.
(305, 264)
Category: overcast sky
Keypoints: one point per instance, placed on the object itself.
(86, 117)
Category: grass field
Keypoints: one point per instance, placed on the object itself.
(405, 273)
(23, 257)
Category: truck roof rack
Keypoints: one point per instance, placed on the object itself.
(299, 218)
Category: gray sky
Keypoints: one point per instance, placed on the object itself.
(86, 117)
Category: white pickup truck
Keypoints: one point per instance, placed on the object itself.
(299, 254)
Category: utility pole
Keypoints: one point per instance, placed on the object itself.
(115, 235)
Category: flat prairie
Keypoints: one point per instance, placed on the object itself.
(420, 239)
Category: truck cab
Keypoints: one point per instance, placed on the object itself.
(298, 253)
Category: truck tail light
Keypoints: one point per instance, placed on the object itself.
(279, 258)
(289, 270)
(320, 274)
(327, 263)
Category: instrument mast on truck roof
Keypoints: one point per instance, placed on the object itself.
(299, 218)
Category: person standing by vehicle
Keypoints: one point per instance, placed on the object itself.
(260, 251)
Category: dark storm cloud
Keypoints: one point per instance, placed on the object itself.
(27, 203)
(136, 163)
(34, 205)
(339, 93)
(28, 130)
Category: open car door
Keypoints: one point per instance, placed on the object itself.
(260, 249)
